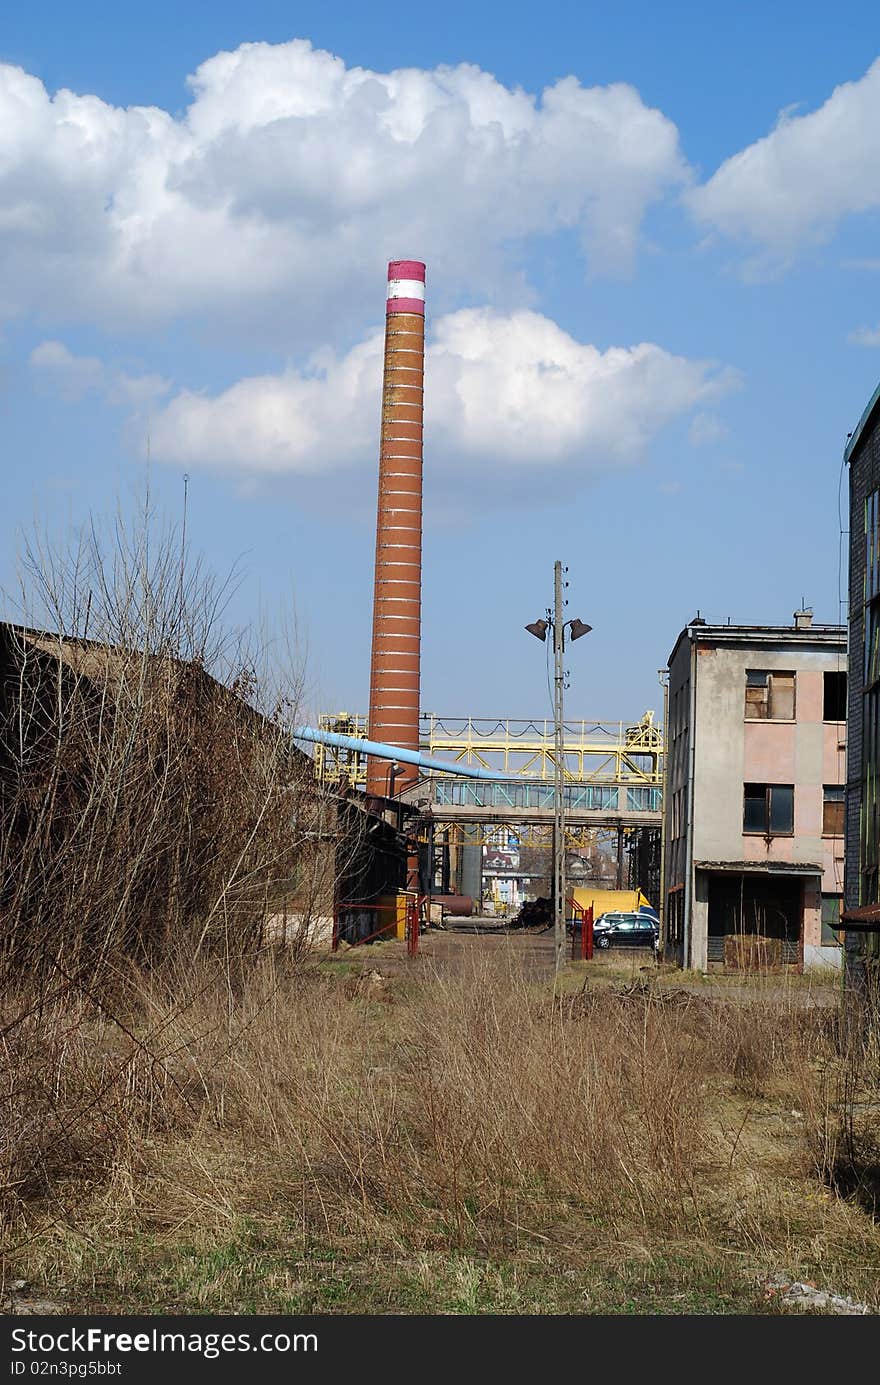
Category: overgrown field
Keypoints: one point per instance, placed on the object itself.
(315, 1138)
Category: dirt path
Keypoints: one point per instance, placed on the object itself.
(476, 941)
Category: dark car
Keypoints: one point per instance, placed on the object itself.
(625, 930)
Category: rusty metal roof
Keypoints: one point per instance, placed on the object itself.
(762, 867)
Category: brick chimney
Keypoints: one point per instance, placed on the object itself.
(395, 664)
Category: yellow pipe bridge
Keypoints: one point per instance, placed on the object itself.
(600, 752)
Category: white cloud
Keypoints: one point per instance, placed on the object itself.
(796, 184)
(508, 391)
(706, 428)
(290, 179)
(73, 377)
(865, 336)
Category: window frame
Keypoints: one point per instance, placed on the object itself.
(834, 796)
(836, 937)
(767, 830)
(834, 673)
(770, 674)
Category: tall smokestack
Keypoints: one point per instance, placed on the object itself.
(397, 599)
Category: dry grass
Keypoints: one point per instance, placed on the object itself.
(449, 1140)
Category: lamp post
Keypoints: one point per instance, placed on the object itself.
(539, 629)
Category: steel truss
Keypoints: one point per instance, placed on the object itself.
(597, 752)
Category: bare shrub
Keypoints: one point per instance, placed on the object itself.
(154, 818)
(150, 798)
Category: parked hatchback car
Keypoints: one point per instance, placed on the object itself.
(625, 930)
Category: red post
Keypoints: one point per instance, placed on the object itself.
(335, 943)
(587, 934)
(412, 932)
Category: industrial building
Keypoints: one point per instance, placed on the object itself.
(754, 803)
(862, 892)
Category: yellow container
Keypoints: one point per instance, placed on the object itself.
(604, 901)
(392, 911)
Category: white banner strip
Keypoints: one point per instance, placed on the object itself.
(406, 288)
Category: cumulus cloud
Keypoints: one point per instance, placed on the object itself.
(510, 391)
(291, 178)
(797, 183)
(705, 429)
(865, 336)
(73, 377)
(70, 376)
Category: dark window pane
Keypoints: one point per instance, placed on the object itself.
(756, 678)
(830, 918)
(835, 697)
(755, 808)
(781, 808)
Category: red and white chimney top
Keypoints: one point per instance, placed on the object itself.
(406, 287)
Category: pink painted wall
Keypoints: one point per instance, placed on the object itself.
(770, 755)
(810, 696)
(769, 752)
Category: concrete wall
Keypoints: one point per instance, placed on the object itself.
(676, 806)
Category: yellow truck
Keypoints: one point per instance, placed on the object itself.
(608, 901)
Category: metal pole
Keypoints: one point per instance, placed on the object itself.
(558, 781)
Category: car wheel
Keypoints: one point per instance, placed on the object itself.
(603, 942)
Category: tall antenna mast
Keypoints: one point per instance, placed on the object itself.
(183, 548)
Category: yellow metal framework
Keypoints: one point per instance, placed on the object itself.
(485, 834)
(601, 752)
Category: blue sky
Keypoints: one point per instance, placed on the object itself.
(653, 247)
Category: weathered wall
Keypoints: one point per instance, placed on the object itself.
(730, 751)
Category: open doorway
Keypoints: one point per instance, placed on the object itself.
(755, 920)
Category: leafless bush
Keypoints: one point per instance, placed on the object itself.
(150, 799)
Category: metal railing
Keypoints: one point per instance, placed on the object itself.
(599, 752)
(536, 795)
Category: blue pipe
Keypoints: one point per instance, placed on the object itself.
(391, 752)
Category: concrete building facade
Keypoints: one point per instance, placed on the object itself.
(862, 880)
(754, 802)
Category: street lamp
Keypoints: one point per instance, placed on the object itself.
(539, 629)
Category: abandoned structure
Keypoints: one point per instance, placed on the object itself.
(143, 802)
(754, 804)
(862, 891)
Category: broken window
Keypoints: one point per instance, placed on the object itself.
(832, 810)
(831, 919)
(769, 696)
(768, 809)
(834, 708)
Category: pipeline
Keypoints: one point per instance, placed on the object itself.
(391, 752)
